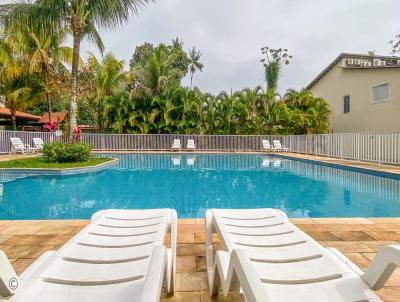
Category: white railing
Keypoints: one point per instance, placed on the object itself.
(372, 147)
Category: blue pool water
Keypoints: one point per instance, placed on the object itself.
(193, 183)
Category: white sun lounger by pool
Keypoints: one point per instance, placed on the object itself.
(191, 145)
(267, 146)
(38, 142)
(120, 256)
(17, 146)
(278, 146)
(269, 259)
(176, 145)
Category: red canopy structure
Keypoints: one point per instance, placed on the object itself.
(56, 117)
(5, 113)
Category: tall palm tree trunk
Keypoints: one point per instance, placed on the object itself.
(74, 81)
(13, 120)
(46, 84)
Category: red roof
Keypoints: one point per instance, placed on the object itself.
(56, 117)
(6, 113)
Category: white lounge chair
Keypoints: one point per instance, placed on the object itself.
(17, 146)
(278, 146)
(191, 145)
(38, 143)
(176, 160)
(266, 145)
(269, 259)
(120, 256)
(176, 145)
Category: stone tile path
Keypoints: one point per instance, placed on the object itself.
(358, 238)
(349, 163)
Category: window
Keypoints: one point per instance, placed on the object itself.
(380, 93)
(346, 104)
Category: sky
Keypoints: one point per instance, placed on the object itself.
(230, 34)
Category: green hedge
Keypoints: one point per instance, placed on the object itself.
(58, 152)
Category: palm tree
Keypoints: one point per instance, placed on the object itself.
(109, 78)
(157, 74)
(194, 63)
(44, 53)
(309, 114)
(16, 85)
(80, 17)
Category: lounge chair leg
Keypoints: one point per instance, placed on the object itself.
(382, 267)
(9, 281)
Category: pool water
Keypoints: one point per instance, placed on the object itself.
(192, 183)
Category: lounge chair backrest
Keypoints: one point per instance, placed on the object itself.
(176, 143)
(119, 256)
(277, 144)
(266, 144)
(38, 142)
(190, 144)
(275, 261)
(17, 143)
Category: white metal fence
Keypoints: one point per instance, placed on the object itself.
(26, 137)
(373, 147)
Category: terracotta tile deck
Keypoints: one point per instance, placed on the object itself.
(349, 163)
(358, 239)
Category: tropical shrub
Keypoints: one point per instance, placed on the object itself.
(66, 153)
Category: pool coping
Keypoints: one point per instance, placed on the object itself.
(348, 166)
(65, 171)
(344, 166)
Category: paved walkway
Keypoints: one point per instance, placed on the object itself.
(349, 163)
(5, 157)
(358, 238)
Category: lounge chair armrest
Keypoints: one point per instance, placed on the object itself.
(382, 267)
(8, 278)
(155, 275)
(241, 271)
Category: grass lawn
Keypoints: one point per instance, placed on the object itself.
(39, 163)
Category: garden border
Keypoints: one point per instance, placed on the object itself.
(65, 171)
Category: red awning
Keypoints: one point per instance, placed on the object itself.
(56, 117)
(6, 113)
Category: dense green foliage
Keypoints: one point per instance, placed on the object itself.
(58, 152)
(147, 98)
(40, 163)
(81, 18)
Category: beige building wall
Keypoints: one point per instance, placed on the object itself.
(364, 115)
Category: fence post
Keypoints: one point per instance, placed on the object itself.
(298, 144)
(379, 148)
(341, 146)
(306, 144)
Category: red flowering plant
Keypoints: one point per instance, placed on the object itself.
(51, 127)
(76, 134)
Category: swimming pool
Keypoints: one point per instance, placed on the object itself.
(192, 183)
